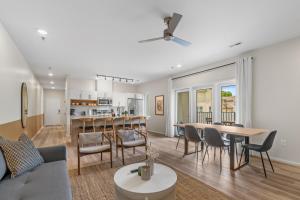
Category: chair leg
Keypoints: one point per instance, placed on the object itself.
(262, 160)
(220, 159)
(110, 157)
(78, 160)
(241, 156)
(177, 142)
(270, 161)
(101, 156)
(205, 154)
(146, 152)
(197, 151)
(214, 153)
(123, 156)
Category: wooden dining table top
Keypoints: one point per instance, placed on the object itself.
(233, 130)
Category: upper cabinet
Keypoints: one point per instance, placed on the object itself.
(104, 88)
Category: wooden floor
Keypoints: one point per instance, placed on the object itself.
(247, 183)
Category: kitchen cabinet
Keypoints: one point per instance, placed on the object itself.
(82, 94)
(119, 99)
(104, 88)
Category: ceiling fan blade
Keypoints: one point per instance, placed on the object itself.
(174, 22)
(150, 40)
(181, 41)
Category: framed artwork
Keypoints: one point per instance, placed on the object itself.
(159, 105)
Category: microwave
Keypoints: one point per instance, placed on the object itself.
(104, 101)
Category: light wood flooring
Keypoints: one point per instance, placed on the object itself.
(247, 183)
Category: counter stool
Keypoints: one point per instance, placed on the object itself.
(88, 125)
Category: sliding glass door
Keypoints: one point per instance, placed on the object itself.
(183, 106)
(228, 104)
(204, 103)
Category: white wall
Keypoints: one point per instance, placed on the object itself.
(276, 96)
(13, 71)
(156, 123)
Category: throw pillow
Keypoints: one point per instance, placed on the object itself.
(3, 167)
(21, 155)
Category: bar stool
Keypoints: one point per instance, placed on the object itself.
(88, 125)
(127, 122)
(99, 124)
(109, 128)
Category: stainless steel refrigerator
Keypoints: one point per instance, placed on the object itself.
(135, 106)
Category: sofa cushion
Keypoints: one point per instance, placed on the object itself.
(20, 155)
(3, 167)
(48, 181)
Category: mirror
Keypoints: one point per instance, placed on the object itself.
(24, 104)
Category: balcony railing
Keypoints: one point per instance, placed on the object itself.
(227, 118)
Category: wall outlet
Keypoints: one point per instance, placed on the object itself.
(283, 142)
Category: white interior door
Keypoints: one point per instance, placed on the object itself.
(54, 111)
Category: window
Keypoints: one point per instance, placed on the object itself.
(203, 105)
(228, 104)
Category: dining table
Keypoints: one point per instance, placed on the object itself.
(233, 131)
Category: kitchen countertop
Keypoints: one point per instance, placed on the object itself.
(76, 117)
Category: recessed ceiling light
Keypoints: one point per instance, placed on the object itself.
(52, 82)
(52, 87)
(50, 74)
(42, 32)
(50, 71)
(179, 66)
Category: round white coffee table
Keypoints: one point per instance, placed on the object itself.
(130, 186)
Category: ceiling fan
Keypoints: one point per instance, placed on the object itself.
(172, 23)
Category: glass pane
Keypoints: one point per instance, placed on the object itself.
(228, 104)
(204, 105)
(183, 107)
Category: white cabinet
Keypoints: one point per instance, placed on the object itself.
(82, 94)
(104, 88)
(119, 99)
(74, 94)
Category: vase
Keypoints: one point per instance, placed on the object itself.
(150, 163)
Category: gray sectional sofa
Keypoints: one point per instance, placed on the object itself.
(49, 181)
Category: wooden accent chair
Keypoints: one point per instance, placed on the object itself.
(130, 139)
(93, 143)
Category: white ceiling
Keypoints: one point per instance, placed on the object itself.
(100, 36)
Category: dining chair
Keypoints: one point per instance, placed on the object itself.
(237, 139)
(109, 128)
(127, 122)
(265, 147)
(223, 138)
(180, 133)
(93, 143)
(213, 138)
(191, 134)
(130, 139)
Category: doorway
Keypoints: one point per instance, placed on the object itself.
(204, 103)
(183, 107)
(54, 108)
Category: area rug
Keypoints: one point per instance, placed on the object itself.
(96, 183)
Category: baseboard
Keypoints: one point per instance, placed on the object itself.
(156, 132)
(37, 133)
(280, 160)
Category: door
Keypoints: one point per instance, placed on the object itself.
(204, 104)
(54, 111)
(183, 107)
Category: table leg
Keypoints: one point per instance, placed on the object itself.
(231, 152)
(246, 150)
(202, 143)
(186, 146)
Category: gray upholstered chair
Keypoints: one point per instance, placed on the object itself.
(191, 134)
(93, 143)
(213, 138)
(265, 147)
(130, 139)
(237, 139)
(180, 133)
